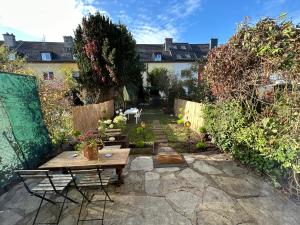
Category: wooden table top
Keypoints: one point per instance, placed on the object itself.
(66, 159)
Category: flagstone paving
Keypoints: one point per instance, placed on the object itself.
(212, 190)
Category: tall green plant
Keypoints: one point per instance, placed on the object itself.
(106, 56)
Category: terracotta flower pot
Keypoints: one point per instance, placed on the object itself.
(91, 153)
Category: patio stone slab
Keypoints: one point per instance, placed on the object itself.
(239, 186)
(9, 217)
(214, 195)
(170, 183)
(152, 182)
(272, 210)
(167, 169)
(133, 182)
(146, 210)
(144, 163)
(222, 213)
(185, 202)
(229, 167)
(189, 159)
(204, 167)
(194, 178)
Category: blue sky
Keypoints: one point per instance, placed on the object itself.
(194, 21)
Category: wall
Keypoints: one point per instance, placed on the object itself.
(192, 111)
(86, 117)
(40, 68)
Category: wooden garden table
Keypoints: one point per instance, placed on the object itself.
(67, 160)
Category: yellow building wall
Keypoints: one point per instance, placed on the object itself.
(39, 69)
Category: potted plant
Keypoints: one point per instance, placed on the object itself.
(89, 144)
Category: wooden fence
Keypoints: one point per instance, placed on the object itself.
(86, 117)
(192, 111)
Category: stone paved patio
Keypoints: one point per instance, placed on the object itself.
(213, 190)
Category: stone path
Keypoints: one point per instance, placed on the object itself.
(165, 156)
(213, 190)
(159, 134)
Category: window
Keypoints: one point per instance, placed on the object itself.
(178, 57)
(175, 46)
(188, 56)
(48, 75)
(12, 56)
(157, 57)
(183, 47)
(46, 56)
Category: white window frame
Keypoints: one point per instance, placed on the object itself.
(46, 56)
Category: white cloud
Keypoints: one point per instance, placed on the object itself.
(185, 8)
(153, 30)
(52, 18)
(149, 34)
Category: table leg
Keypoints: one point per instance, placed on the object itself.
(119, 172)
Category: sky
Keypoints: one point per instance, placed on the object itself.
(150, 21)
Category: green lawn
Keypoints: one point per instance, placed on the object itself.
(173, 131)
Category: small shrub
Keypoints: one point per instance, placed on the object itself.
(201, 145)
(139, 144)
(202, 130)
(139, 130)
(180, 121)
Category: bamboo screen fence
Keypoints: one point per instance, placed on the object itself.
(86, 117)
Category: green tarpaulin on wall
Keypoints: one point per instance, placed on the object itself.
(24, 139)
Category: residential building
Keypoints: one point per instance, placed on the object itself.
(174, 56)
(46, 59)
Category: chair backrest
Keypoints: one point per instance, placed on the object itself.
(33, 174)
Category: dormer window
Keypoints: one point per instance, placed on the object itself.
(188, 56)
(183, 47)
(157, 57)
(12, 56)
(46, 56)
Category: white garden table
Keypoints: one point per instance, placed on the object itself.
(132, 111)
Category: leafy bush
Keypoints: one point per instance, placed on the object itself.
(259, 128)
(180, 121)
(202, 130)
(139, 144)
(140, 130)
(201, 145)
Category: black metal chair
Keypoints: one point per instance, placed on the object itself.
(91, 179)
(50, 183)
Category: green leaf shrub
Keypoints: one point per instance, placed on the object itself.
(201, 145)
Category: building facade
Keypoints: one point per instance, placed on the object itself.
(47, 59)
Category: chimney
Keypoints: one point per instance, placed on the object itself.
(9, 40)
(168, 43)
(213, 43)
(68, 42)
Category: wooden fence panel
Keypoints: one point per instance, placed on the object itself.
(192, 111)
(86, 117)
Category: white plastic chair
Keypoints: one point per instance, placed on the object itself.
(138, 116)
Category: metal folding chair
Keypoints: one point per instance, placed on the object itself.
(50, 183)
(91, 179)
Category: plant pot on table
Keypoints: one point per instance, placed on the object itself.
(90, 152)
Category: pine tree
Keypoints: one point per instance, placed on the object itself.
(107, 58)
